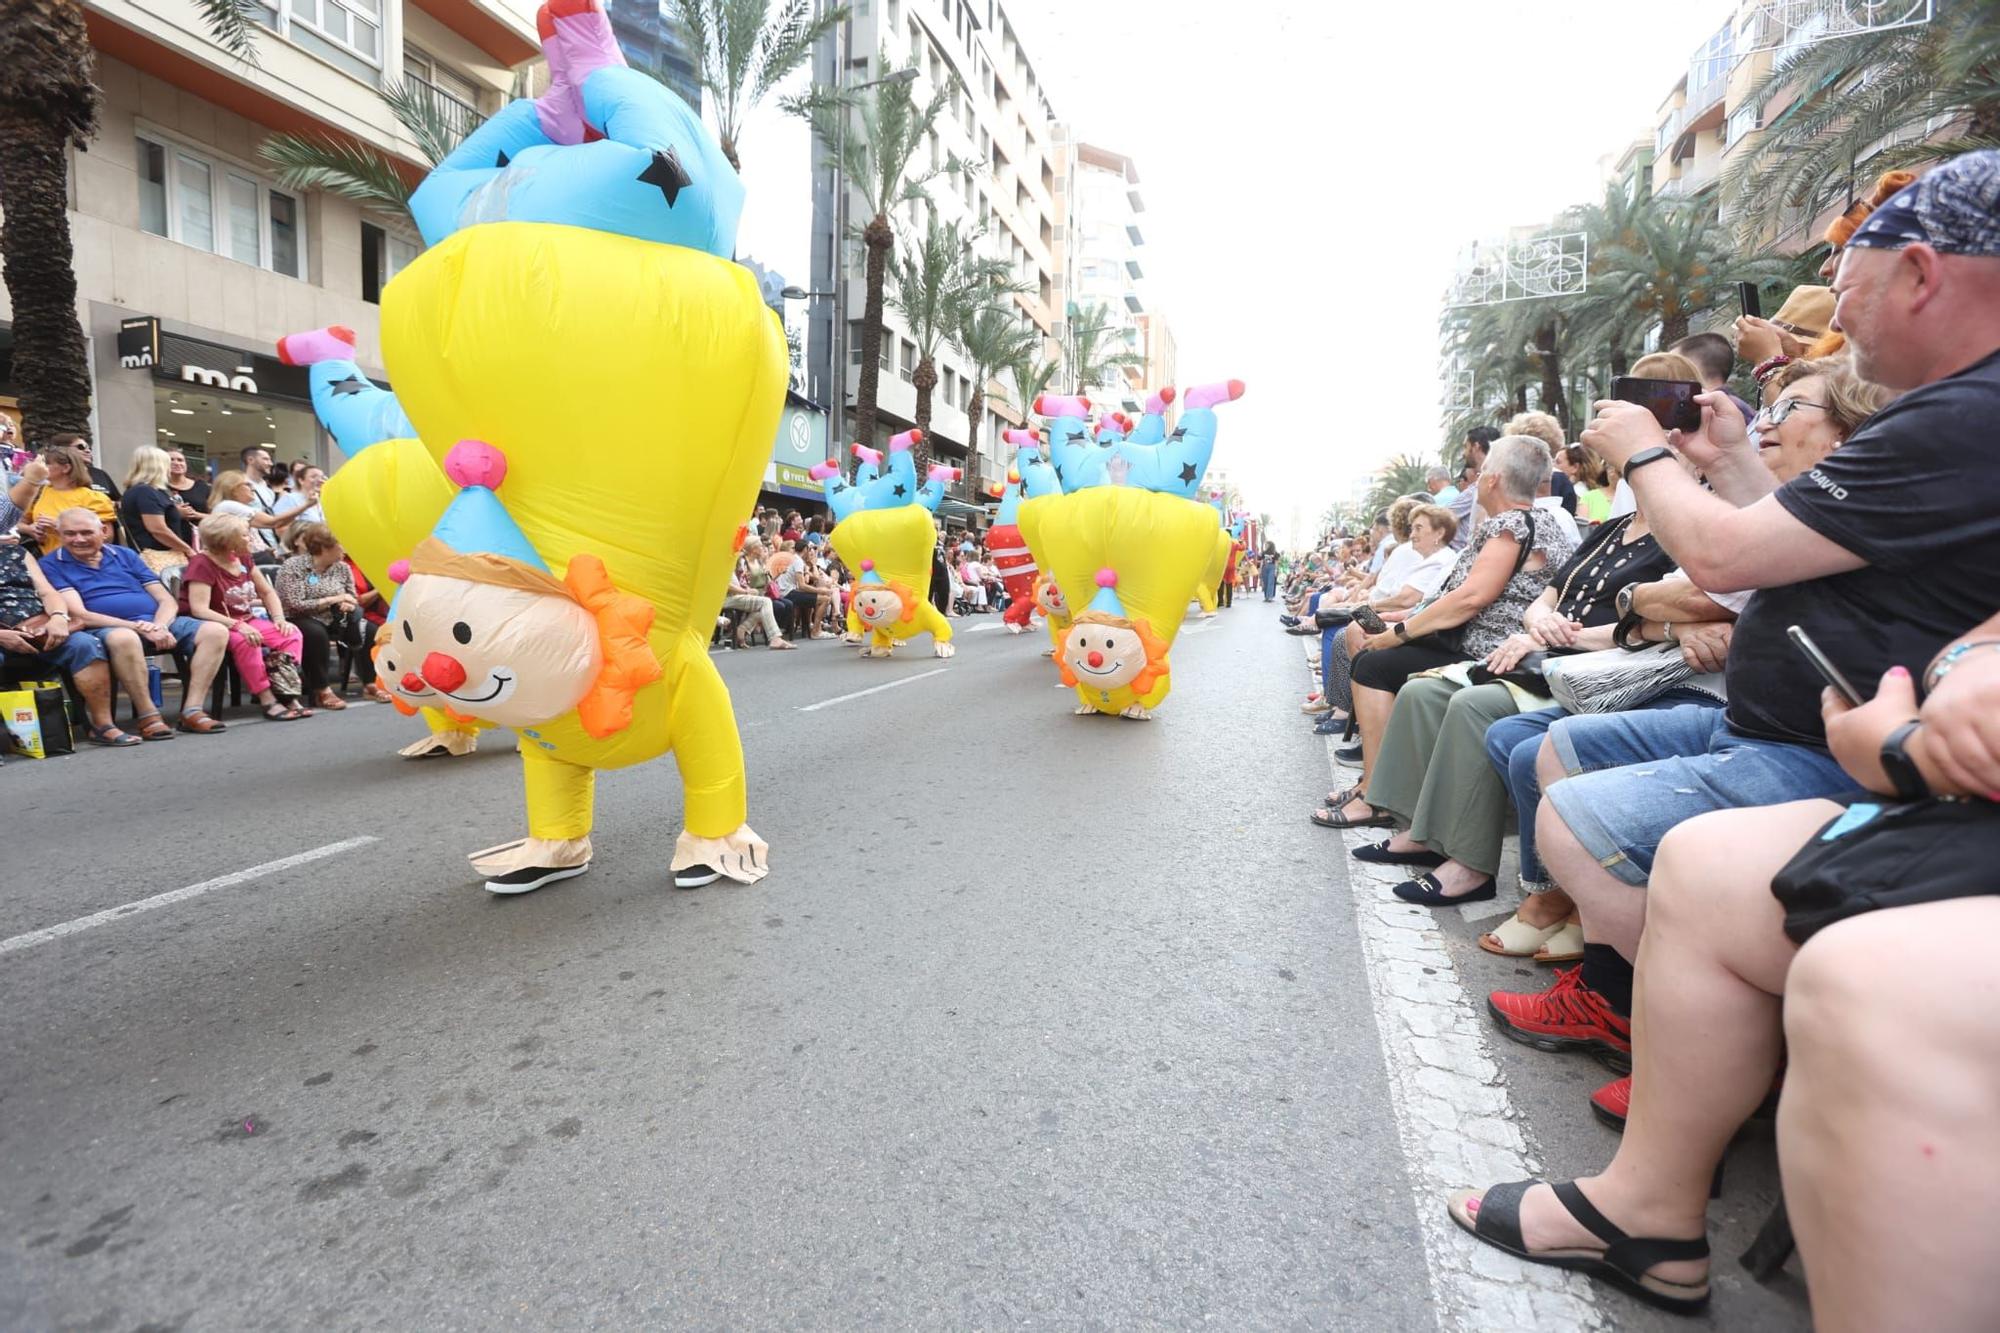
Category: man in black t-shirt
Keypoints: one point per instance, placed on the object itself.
(1882, 554)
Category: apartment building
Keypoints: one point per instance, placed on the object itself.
(191, 261)
(998, 120)
(1100, 257)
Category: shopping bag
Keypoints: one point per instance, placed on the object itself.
(52, 716)
(24, 729)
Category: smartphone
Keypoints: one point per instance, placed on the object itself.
(1670, 401)
(1746, 296)
(1827, 670)
(1366, 617)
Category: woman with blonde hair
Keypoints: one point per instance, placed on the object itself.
(152, 513)
(59, 480)
(235, 497)
(224, 585)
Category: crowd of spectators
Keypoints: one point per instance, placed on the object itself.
(1731, 865)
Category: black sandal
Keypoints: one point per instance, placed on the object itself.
(111, 738)
(1622, 1262)
(1338, 819)
(1337, 800)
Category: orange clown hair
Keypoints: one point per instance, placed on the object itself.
(1155, 648)
(629, 664)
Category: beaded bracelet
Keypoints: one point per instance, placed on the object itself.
(1942, 664)
(1766, 369)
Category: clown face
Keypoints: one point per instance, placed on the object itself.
(1050, 598)
(876, 607)
(1104, 656)
(506, 655)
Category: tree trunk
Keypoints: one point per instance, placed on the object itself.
(1619, 363)
(51, 359)
(1520, 399)
(1673, 328)
(925, 380)
(879, 238)
(975, 409)
(1548, 348)
(729, 151)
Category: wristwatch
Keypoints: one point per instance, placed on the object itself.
(1902, 770)
(1623, 601)
(1643, 457)
(1402, 631)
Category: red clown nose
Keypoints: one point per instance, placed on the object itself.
(1095, 658)
(443, 673)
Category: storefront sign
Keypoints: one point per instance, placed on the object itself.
(801, 440)
(792, 478)
(185, 360)
(138, 342)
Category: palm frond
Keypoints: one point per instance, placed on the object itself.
(233, 25)
(316, 162)
(437, 126)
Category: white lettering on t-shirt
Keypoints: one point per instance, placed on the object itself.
(1821, 480)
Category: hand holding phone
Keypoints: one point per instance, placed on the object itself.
(1670, 401)
(1830, 673)
(1748, 299)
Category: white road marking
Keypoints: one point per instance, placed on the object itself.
(172, 896)
(981, 626)
(872, 689)
(1457, 1125)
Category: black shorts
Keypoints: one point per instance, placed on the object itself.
(1881, 855)
(1387, 668)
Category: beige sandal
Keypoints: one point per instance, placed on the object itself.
(1515, 938)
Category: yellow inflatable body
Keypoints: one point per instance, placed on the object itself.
(890, 552)
(1144, 553)
(1211, 579)
(630, 391)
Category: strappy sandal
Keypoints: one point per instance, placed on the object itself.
(1495, 1218)
(153, 727)
(1335, 800)
(1515, 938)
(275, 712)
(110, 737)
(1427, 891)
(331, 701)
(198, 723)
(1339, 819)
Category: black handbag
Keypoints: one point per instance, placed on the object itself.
(1527, 674)
(52, 710)
(1333, 618)
(1878, 856)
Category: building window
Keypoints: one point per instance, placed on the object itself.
(950, 385)
(187, 197)
(455, 97)
(1741, 122)
(384, 254)
(344, 33)
(909, 358)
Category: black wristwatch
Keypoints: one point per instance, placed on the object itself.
(1902, 770)
(1401, 631)
(1643, 457)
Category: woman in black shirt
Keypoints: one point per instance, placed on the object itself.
(188, 489)
(152, 516)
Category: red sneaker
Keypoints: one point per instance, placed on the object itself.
(1568, 1016)
(1613, 1102)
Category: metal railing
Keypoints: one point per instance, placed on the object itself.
(459, 115)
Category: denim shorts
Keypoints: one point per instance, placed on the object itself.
(1634, 776)
(75, 653)
(183, 628)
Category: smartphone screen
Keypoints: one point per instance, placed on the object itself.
(1830, 673)
(1746, 296)
(1670, 401)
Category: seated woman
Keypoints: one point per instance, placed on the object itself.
(59, 480)
(235, 497)
(827, 612)
(1782, 937)
(1430, 775)
(971, 582)
(318, 593)
(1413, 571)
(159, 531)
(1502, 570)
(1839, 402)
(224, 585)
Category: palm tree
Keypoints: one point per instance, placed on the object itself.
(1090, 350)
(743, 51)
(1032, 379)
(364, 174)
(48, 101)
(1684, 263)
(1867, 104)
(879, 161)
(931, 286)
(233, 25)
(1400, 476)
(991, 335)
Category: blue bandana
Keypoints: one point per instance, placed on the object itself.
(1955, 210)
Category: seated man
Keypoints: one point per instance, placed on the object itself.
(1839, 551)
(109, 589)
(35, 627)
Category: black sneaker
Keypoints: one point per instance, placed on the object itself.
(1350, 753)
(1288, 620)
(693, 877)
(529, 878)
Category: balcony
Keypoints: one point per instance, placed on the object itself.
(459, 115)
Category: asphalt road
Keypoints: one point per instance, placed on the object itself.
(1038, 1021)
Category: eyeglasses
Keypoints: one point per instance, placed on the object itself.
(1775, 414)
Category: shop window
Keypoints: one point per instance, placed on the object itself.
(189, 197)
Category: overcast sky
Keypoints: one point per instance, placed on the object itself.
(1310, 172)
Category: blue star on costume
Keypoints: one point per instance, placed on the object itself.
(354, 409)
